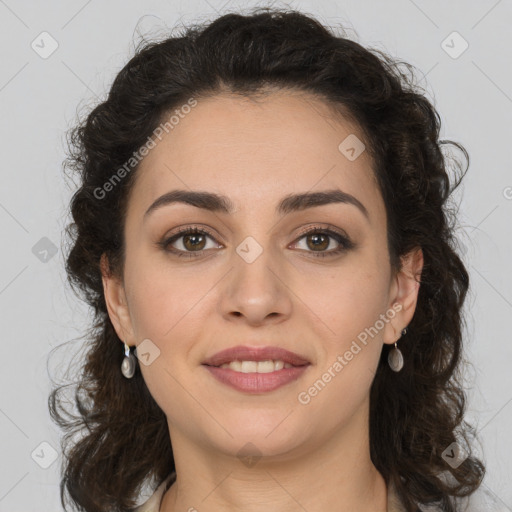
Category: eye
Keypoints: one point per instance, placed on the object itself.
(192, 240)
(318, 239)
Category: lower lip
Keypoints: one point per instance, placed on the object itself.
(256, 382)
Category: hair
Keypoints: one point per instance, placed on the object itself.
(414, 414)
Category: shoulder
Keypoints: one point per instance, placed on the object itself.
(152, 504)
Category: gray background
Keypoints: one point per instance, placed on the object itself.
(39, 98)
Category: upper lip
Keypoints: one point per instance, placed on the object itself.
(245, 353)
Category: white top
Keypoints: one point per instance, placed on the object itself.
(152, 504)
(480, 501)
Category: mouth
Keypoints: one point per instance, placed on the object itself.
(267, 366)
(256, 370)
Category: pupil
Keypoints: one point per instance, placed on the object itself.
(194, 238)
(316, 237)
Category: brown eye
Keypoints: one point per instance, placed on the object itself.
(318, 240)
(187, 242)
(194, 242)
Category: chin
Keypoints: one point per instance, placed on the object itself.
(254, 440)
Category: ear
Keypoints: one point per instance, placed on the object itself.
(404, 294)
(117, 305)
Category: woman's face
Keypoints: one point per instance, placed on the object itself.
(256, 279)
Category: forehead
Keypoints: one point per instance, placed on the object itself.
(256, 150)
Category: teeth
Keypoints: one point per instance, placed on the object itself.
(256, 366)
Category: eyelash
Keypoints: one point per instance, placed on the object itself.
(345, 243)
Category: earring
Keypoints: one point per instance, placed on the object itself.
(128, 364)
(395, 357)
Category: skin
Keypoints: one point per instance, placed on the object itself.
(314, 455)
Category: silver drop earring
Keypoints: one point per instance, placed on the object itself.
(395, 356)
(128, 364)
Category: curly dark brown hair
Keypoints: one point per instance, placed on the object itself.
(415, 414)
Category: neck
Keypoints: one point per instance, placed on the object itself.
(334, 475)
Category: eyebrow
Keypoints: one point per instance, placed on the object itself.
(218, 203)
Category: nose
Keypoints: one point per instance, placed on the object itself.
(256, 290)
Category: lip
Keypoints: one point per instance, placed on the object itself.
(246, 353)
(254, 383)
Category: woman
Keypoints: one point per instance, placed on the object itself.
(263, 215)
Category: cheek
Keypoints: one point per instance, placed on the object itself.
(152, 298)
(350, 333)
(172, 309)
(349, 303)
(348, 299)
